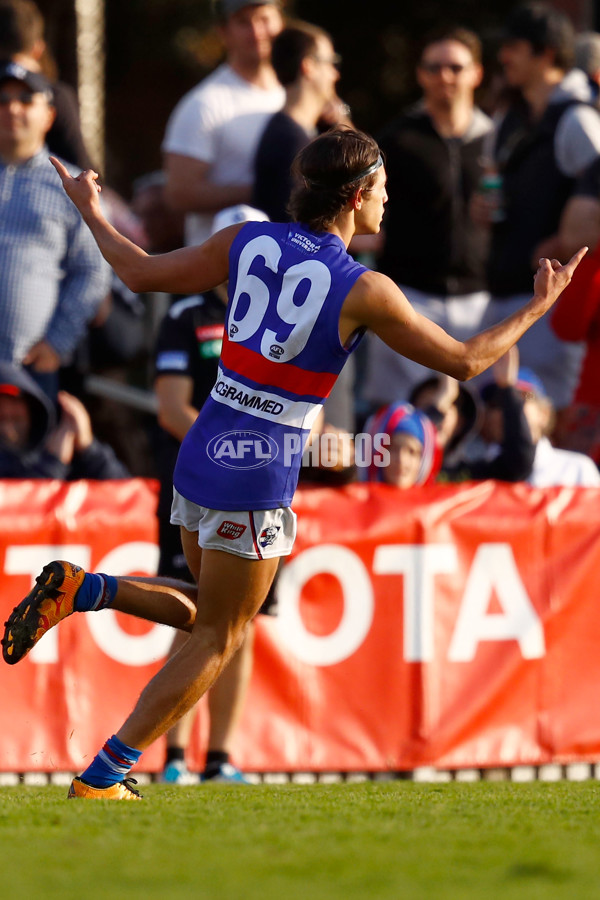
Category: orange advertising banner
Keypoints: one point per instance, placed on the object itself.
(452, 626)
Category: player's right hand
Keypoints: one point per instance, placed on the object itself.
(552, 278)
(83, 189)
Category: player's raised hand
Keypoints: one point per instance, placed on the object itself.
(83, 190)
(552, 278)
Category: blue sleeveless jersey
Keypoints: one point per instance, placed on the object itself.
(281, 356)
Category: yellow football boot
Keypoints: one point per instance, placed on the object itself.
(122, 790)
(49, 601)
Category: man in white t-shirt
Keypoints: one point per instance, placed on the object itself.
(213, 132)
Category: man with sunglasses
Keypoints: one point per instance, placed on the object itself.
(52, 276)
(433, 156)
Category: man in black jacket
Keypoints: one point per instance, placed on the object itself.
(432, 249)
(545, 137)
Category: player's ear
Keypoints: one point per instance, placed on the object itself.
(356, 199)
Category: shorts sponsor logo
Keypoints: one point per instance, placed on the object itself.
(269, 535)
(231, 530)
(242, 449)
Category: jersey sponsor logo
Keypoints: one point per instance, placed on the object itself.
(304, 243)
(299, 414)
(269, 535)
(231, 530)
(244, 399)
(242, 449)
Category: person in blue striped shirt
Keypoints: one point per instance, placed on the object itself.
(52, 275)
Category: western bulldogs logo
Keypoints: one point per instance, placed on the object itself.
(231, 530)
(269, 535)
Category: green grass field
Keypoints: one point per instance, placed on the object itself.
(316, 842)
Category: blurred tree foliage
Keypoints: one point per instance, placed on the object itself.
(158, 49)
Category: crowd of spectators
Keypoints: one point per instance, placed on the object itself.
(475, 198)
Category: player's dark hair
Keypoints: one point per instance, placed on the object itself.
(291, 46)
(544, 28)
(328, 172)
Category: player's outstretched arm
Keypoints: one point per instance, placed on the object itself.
(550, 281)
(186, 271)
(376, 302)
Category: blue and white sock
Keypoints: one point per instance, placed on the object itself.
(111, 764)
(97, 591)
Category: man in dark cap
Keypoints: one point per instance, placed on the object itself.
(52, 276)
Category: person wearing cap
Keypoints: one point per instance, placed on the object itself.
(298, 306)
(52, 276)
(34, 445)
(544, 140)
(22, 40)
(434, 152)
(212, 134)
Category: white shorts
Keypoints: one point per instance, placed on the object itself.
(253, 534)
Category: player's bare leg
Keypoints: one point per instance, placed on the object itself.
(63, 588)
(226, 700)
(231, 590)
(227, 695)
(225, 705)
(158, 599)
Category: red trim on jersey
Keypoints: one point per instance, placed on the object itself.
(291, 378)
